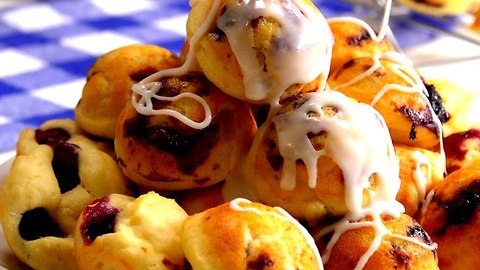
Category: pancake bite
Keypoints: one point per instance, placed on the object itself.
(452, 218)
(256, 50)
(392, 86)
(122, 232)
(323, 154)
(109, 83)
(354, 39)
(43, 196)
(420, 170)
(193, 135)
(403, 244)
(247, 235)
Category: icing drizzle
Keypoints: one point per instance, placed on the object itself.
(359, 143)
(284, 215)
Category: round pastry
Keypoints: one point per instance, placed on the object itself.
(460, 104)
(43, 196)
(109, 82)
(246, 235)
(262, 50)
(56, 131)
(452, 218)
(172, 151)
(393, 88)
(198, 200)
(462, 149)
(122, 232)
(353, 40)
(302, 160)
(403, 244)
(420, 170)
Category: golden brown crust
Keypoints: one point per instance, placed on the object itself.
(160, 152)
(393, 252)
(44, 194)
(406, 113)
(453, 217)
(461, 105)
(122, 232)
(420, 170)
(353, 41)
(109, 82)
(218, 61)
(226, 238)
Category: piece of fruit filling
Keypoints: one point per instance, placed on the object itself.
(65, 166)
(37, 223)
(99, 218)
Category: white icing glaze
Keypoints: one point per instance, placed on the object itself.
(284, 215)
(357, 140)
(302, 51)
(146, 89)
(428, 200)
(423, 180)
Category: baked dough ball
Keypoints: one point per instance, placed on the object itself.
(109, 82)
(161, 152)
(122, 232)
(452, 218)
(43, 196)
(245, 235)
(461, 105)
(382, 82)
(259, 57)
(56, 131)
(405, 246)
(420, 170)
(462, 149)
(352, 41)
(302, 159)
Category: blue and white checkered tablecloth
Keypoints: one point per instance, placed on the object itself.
(47, 47)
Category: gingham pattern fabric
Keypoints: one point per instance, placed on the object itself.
(47, 47)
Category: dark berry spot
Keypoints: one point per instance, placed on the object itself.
(419, 118)
(99, 218)
(37, 223)
(65, 166)
(190, 151)
(51, 136)
(170, 265)
(357, 40)
(263, 261)
(437, 103)
(454, 144)
(462, 207)
(418, 232)
(399, 255)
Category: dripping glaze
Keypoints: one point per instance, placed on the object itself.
(268, 87)
(283, 215)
